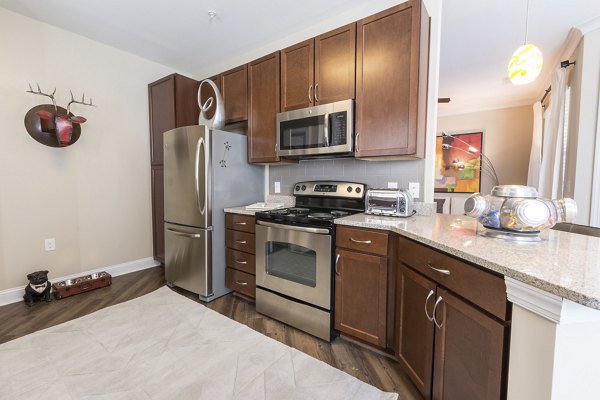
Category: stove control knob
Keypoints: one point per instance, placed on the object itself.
(303, 187)
(297, 188)
(357, 190)
(349, 189)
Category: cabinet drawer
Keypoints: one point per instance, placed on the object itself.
(240, 282)
(368, 241)
(242, 241)
(244, 223)
(484, 289)
(241, 261)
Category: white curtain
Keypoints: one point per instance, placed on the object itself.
(550, 177)
(535, 157)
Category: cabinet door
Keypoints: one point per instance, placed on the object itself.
(387, 82)
(158, 213)
(361, 295)
(234, 88)
(263, 87)
(297, 76)
(335, 65)
(206, 92)
(469, 351)
(161, 96)
(415, 296)
(186, 101)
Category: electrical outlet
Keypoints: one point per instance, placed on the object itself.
(277, 187)
(413, 188)
(50, 244)
(392, 185)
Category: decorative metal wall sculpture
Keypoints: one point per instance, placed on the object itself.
(53, 125)
(218, 119)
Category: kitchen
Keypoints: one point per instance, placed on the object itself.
(112, 162)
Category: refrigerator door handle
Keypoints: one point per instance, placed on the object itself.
(185, 234)
(201, 144)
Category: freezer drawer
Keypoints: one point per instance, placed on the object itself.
(188, 258)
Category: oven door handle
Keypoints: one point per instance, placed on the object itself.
(293, 227)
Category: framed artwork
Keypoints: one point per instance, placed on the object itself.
(458, 163)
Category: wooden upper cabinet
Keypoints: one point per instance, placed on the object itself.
(173, 104)
(319, 70)
(335, 65)
(234, 88)
(388, 65)
(297, 76)
(263, 106)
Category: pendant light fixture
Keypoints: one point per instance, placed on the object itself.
(526, 62)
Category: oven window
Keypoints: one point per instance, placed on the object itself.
(291, 262)
(305, 133)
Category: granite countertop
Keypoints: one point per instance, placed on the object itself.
(239, 210)
(564, 264)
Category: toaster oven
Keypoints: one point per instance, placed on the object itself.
(390, 202)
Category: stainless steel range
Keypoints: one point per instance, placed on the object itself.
(294, 254)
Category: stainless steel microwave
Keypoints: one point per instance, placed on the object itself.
(317, 131)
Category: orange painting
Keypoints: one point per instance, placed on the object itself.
(458, 163)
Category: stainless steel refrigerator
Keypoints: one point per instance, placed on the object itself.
(205, 171)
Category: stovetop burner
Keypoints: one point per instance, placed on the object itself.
(318, 203)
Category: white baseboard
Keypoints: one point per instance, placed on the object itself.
(14, 295)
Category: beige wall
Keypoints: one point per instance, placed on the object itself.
(93, 197)
(506, 141)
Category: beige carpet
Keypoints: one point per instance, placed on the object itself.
(165, 346)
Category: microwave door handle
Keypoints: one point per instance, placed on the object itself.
(326, 130)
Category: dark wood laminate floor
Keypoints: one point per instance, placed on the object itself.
(17, 320)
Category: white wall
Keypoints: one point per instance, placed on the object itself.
(94, 196)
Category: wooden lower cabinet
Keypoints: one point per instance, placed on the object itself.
(361, 296)
(414, 330)
(241, 282)
(158, 212)
(450, 347)
(240, 258)
(468, 351)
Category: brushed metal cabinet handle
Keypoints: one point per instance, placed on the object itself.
(337, 258)
(356, 140)
(241, 283)
(310, 93)
(441, 271)
(430, 318)
(359, 241)
(241, 262)
(438, 324)
(316, 91)
(241, 223)
(240, 241)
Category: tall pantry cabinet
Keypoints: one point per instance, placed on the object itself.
(173, 103)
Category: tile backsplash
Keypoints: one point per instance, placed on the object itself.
(376, 174)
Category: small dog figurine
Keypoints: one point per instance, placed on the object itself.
(38, 289)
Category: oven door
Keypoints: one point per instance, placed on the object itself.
(294, 261)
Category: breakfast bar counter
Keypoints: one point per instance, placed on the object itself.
(564, 264)
(554, 290)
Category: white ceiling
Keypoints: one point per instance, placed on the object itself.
(478, 37)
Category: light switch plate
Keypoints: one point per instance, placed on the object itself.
(392, 185)
(413, 188)
(277, 187)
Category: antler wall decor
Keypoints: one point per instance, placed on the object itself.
(53, 125)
